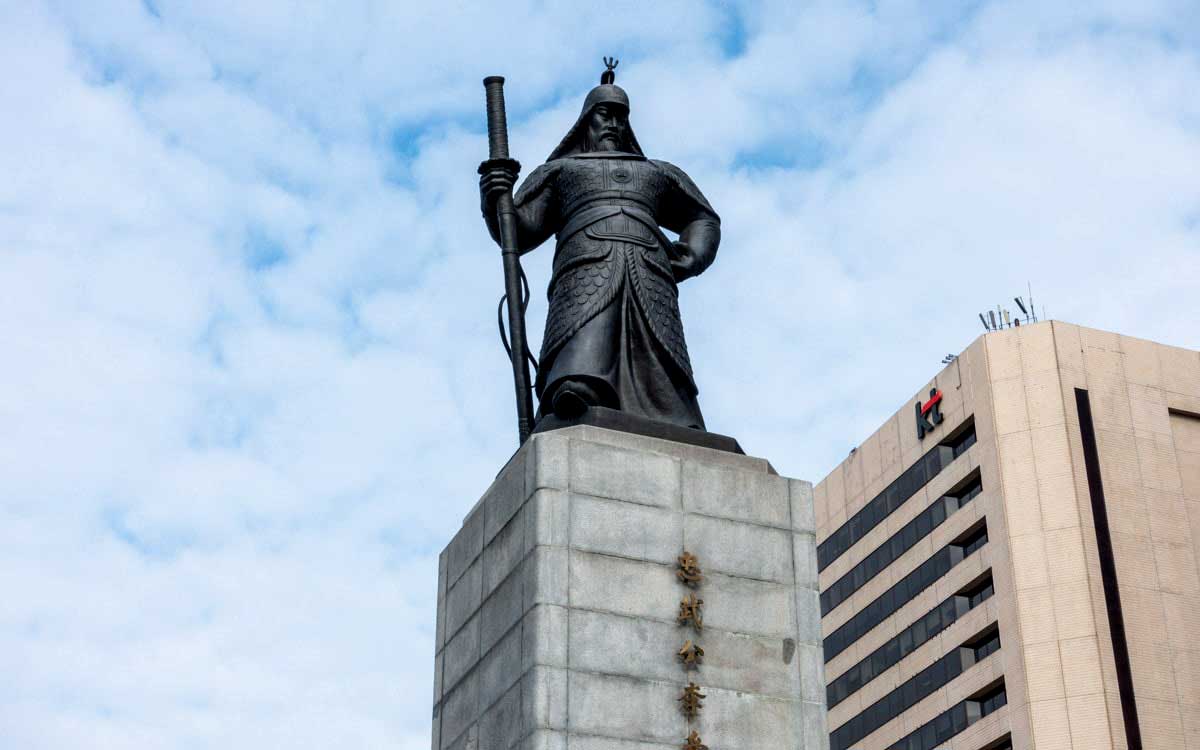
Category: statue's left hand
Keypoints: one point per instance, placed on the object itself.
(684, 263)
(495, 179)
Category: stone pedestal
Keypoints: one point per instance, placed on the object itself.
(558, 601)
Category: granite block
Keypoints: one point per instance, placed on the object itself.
(624, 707)
(502, 610)
(736, 494)
(626, 587)
(500, 727)
(543, 698)
(632, 476)
(462, 653)
(802, 502)
(504, 553)
(466, 545)
(625, 529)
(630, 646)
(500, 668)
(804, 558)
(459, 709)
(742, 605)
(549, 584)
(740, 549)
(547, 466)
(547, 519)
(810, 660)
(542, 739)
(544, 632)
(463, 599)
(592, 742)
(505, 497)
(746, 721)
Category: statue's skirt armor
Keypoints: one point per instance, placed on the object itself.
(610, 315)
(613, 320)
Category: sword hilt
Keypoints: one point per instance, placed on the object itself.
(497, 120)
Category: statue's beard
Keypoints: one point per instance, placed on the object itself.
(606, 142)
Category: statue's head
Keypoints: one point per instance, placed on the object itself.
(603, 123)
(608, 128)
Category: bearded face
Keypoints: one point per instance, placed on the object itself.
(608, 128)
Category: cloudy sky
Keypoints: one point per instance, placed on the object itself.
(251, 378)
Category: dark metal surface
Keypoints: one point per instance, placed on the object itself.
(600, 416)
(505, 217)
(614, 336)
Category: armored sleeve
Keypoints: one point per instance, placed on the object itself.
(686, 211)
(536, 204)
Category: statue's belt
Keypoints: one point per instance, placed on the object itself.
(589, 216)
(586, 217)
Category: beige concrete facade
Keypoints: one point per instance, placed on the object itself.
(1056, 658)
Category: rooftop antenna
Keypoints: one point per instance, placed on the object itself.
(1001, 318)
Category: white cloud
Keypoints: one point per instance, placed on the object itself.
(252, 379)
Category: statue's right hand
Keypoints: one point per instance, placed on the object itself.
(493, 182)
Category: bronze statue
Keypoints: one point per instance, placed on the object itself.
(613, 335)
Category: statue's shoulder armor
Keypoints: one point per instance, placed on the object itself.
(537, 181)
(681, 182)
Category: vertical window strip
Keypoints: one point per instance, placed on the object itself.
(931, 736)
(886, 604)
(895, 495)
(899, 543)
(910, 639)
(915, 689)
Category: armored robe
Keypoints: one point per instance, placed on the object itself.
(613, 319)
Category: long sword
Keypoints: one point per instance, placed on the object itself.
(510, 254)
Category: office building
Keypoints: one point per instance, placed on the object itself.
(1010, 561)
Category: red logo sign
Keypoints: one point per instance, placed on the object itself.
(929, 414)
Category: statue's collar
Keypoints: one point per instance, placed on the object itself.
(607, 155)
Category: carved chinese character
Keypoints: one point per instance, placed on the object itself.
(690, 612)
(689, 570)
(694, 743)
(691, 701)
(691, 655)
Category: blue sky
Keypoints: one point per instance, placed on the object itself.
(251, 374)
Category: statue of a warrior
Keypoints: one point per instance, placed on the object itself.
(613, 333)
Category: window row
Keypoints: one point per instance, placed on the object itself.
(931, 736)
(915, 689)
(910, 639)
(900, 542)
(885, 503)
(886, 604)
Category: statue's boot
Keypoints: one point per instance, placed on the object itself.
(573, 398)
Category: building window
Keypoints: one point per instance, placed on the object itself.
(910, 639)
(896, 493)
(905, 590)
(936, 733)
(920, 686)
(900, 542)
